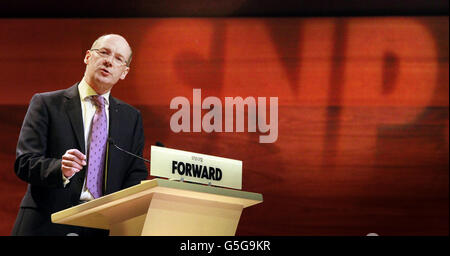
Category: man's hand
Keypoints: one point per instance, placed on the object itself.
(72, 162)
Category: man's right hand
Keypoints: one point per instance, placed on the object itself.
(72, 162)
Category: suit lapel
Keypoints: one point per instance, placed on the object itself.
(73, 109)
(114, 130)
(114, 134)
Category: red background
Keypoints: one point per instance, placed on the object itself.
(363, 110)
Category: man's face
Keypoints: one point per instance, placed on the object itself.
(107, 63)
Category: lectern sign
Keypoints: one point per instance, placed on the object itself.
(199, 168)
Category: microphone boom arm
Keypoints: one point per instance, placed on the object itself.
(129, 153)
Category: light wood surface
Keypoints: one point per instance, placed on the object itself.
(163, 207)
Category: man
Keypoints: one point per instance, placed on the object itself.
(63, 150)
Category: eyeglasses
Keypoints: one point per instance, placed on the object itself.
(116, 60)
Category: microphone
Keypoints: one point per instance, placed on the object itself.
(111, 141)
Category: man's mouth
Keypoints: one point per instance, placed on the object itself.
(105, 71)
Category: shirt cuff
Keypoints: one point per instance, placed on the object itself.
(66, 180)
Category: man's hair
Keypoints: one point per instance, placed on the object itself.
(131, 51)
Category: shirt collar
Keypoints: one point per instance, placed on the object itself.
(86, 91)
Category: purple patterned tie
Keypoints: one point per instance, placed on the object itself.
(97, 148)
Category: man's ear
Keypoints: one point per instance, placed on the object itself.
(124, 73)
(87, 57)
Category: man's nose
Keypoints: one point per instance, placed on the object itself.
(107, 61)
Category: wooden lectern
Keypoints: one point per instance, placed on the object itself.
(161, 207)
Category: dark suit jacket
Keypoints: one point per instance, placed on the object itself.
(52, 125)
